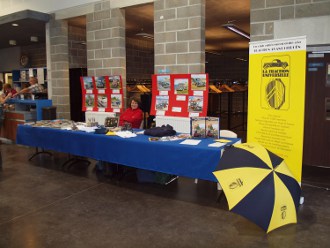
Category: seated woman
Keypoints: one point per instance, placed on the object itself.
(132, 115)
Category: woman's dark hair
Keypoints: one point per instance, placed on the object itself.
(135, 99)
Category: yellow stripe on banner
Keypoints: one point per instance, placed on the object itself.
(257, 150)
(284, 211)
(284, 169)
(239, 182)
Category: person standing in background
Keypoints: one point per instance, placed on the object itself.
(33, 88)
(8, 92)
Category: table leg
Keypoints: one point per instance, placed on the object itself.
(39, 152)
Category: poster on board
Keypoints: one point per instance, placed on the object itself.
(102, 93)
(277, 98)
(182, 95)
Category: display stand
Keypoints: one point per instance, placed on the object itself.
(21, 105)
(177, 97)
(181, 95)
(101, 97)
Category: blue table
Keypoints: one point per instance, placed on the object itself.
(168, 156)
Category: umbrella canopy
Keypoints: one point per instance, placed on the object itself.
(258, 185)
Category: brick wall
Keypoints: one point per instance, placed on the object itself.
(179, 35)
(77, 47)
(265, 12)
(106, 41)
(106, 54)
(59, 67)
(139, 58)
(36, 54)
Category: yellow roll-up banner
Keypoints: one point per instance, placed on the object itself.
(277, 98)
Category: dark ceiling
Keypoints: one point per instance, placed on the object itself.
(140, 17)
(30, 23)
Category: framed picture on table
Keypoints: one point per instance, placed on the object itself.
(111, 122)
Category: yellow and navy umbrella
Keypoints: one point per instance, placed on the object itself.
(258, 185)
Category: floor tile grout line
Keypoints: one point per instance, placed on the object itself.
(50, 204)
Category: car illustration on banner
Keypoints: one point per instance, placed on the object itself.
(276, 63)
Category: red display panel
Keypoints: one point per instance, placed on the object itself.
(183, 95)
(102, 94)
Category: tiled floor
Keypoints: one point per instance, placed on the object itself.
(45, 205)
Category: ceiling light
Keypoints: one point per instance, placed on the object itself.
(214, 53)
(241, 59)
(235, 29)
(15, 24)
(12, 42)
(145, 35)
(34, 38)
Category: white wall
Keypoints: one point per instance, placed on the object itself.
(316, 29)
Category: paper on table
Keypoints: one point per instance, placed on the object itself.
(125, 134)
(86, 129)
(217, 144)
(191, 142)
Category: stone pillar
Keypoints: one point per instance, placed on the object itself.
(264, 16)
(58, 67)
(179, 36)
(106, 53)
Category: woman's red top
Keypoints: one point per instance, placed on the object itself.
(12, 91)
(132, 116)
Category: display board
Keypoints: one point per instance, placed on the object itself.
(102, 94)
(277, 98)
(182, 95)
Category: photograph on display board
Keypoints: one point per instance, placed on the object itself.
(100, 83)
(181, 86)
(198, 81)
(88, 83)
(195, 104)
(163, 83)
(102, 101)
(114, 82)
(162, 102)
(212, 127)
(89, 100)
(197, 125)
(116, 101)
